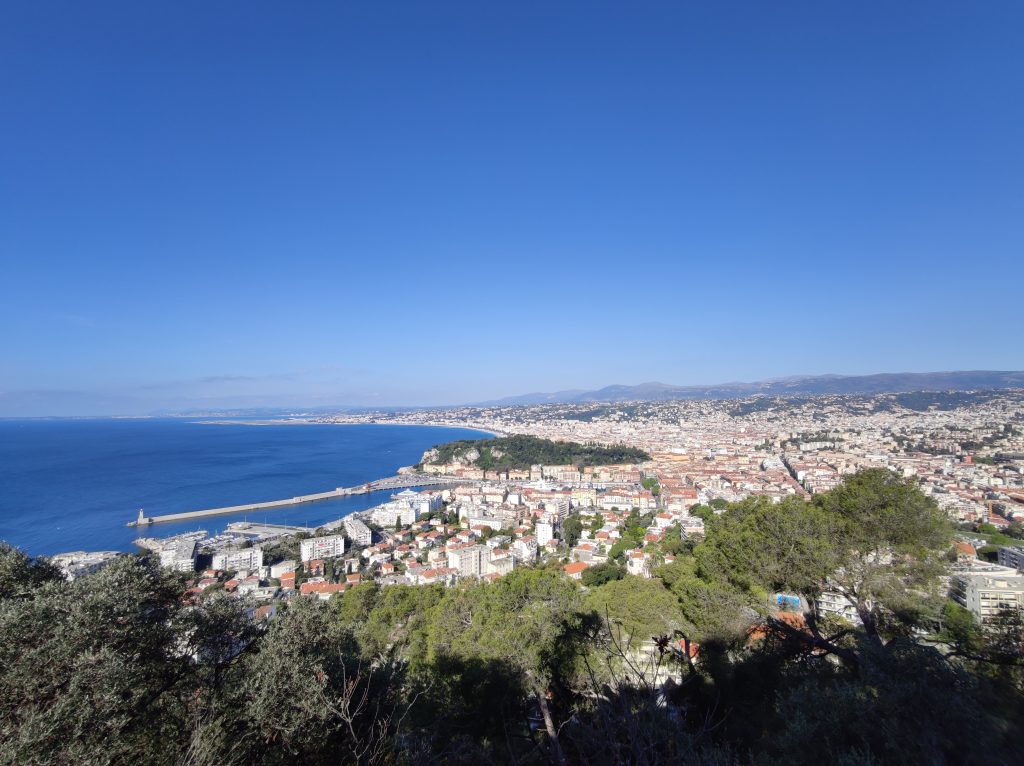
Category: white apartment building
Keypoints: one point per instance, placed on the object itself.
(1012, 556)
(470, 561)
(240, 559)
(986, 594)
(357, 531)
(499, 564)
(525, 549)
(179, 555)
(558, 509)
(80, 563)
(545, 532)
(282, 567)
(327, 547)
(834, 604)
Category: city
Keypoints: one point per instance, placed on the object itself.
(965, 451)
(528, 384)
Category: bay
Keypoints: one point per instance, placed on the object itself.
(74, 484)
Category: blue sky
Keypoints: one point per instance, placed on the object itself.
(241, 204)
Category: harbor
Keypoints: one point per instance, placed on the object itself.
(401, 481)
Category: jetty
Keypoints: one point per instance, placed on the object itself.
(404, 481)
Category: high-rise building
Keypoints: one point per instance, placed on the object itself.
(470, 561)
(357, 531)
(239, 559)
(545, 533)
(322, 547)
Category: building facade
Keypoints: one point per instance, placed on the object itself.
(327, 547)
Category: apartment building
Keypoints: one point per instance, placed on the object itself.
(357, 531)
(986, 594)
(327, 547)
(239, 559)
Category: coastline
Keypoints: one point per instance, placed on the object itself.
(168, 469)
(366, 488)
(488, 433)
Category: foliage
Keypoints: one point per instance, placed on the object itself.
(644, 608)
(572, 528)
(599, 574)
(702, 511)
(522, 452)
(21, 575)
(870, 540)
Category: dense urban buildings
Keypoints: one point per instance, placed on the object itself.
(964, 450)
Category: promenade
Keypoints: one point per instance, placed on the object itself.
(380, 485)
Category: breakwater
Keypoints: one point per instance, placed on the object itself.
(406, 481)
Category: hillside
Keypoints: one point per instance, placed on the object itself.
(521, 452)
(977, 380)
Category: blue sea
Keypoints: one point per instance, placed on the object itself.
(70, 485)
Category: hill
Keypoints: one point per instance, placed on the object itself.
(521, 452)
(882, 383)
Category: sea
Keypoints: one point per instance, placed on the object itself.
(69, 485)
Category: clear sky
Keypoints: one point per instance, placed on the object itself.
(246, 203)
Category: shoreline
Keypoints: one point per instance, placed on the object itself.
(59, 536)
(315, 422)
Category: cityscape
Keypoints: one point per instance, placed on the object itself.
(965, 450)
(527, 384)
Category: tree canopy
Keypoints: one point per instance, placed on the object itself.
(522, 452)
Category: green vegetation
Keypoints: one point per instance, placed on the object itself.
(572, 528)
(991, 534)
(114, 668)
(702, 511)
(521, 452)
(600, 574)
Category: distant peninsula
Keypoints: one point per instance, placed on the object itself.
(521, 452)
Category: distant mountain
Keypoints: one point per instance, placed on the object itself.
(898, 382)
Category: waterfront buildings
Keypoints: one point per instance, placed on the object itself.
(80, 563)
(179, 554)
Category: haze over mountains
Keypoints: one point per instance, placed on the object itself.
(793, 385)
(235, 404)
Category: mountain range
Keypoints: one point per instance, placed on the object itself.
(898, 382)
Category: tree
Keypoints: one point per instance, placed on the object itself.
(618, 550)
(95, 671)
(572, 528)
(518, 622)
(876, 540)
(642, 607)
(21, 575)
(338, 707)
(765, 547)
(673, 544)
(702, 511)
(871, 540)
(891, 539)
(599, 574)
